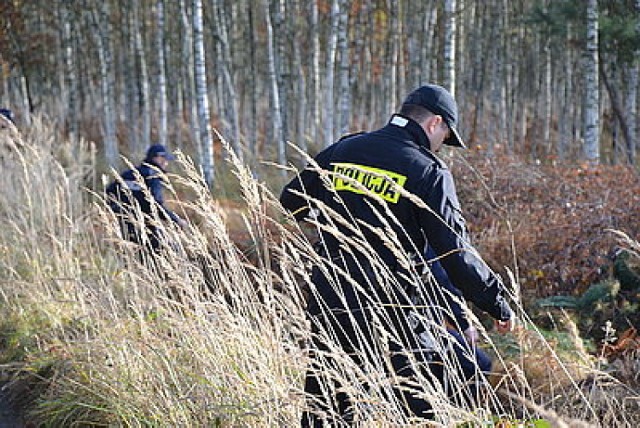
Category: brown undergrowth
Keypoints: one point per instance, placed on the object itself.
(554, 217)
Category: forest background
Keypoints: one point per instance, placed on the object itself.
(548, 94)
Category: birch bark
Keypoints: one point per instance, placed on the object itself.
(202, 99)
(107, 83)
(449, 80)
(161, 77)
(592, 99)
(278, 134)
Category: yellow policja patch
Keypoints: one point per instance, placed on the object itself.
(363, 179)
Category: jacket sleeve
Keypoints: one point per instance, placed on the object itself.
(156, 189)
(306, 182)
(446, 232)
(452, 297)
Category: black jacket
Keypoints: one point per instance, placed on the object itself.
(150, 199)
(399, 151)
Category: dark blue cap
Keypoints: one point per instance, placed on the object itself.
(439, 101)
(159, 150)
(8, 114)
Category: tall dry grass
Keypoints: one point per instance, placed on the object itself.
(206, 334)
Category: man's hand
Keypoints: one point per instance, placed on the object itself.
(472, 336)
(505, 326)
(182, 223)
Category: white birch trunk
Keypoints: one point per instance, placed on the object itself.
(300, 81)
(144, 80)
(162, 78)
(188, 74)
(253, 133)
(449, 66)
(131, 80)
(275, 93)
(316, 114)
(107, 85)
(202, 100)
(70, 74)
(343, 71)
(314, 34)
(547, 101)
(329, 106)
(279, 35)
(592, 99)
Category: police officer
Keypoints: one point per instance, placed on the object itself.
(140, 191)
(389, 189)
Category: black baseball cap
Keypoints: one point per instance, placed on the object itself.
(159, 150)
(439, 101)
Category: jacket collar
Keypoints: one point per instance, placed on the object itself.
(152, 165)
(412, 128)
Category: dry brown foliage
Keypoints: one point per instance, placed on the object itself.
(556, 217)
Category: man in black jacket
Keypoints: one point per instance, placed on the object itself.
(379, 199)
(136, 197)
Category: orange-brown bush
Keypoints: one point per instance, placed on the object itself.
(556, 217)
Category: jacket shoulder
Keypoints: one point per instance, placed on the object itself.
(347, 136)
(148, 172)
(439, 163)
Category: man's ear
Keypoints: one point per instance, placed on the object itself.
(432, 123)
(437, 120)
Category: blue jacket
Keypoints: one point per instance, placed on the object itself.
(379, 163)
(120, 202)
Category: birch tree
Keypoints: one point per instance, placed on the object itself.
(202, 99)
(253, 96)
(131, 78)
(592, 98)
(300, 81)
(329, 103)
(70, 72)
(449, 66)
(145, 104)
(188, 72)
(524, 76)
(315, 70)
(343, 70)
(279, 37)
(107, 84)
(161, 77)
(278, 132)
